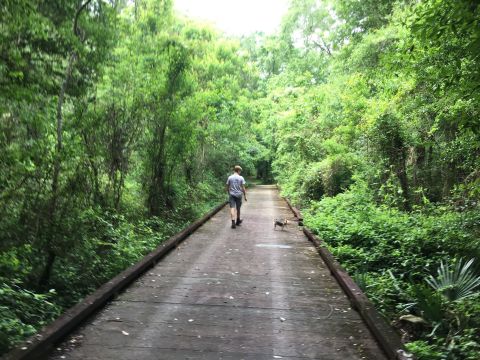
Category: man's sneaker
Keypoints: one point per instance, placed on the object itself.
(233, 224)
(238, 222)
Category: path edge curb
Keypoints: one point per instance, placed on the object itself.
(383, 332)
(39, 345)
(295, 211)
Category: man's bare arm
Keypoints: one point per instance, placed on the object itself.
(244, 192)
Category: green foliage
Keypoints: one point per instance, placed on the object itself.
(455, 282)
(118, 125)
(393, 255)
(368, 122)
(429, 303)
(22, 312)
(364, 112)
(424, 351)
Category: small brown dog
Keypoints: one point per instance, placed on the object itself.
(279, 222)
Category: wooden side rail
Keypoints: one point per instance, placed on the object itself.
(40, 344)
(386, 336)
(295, 211)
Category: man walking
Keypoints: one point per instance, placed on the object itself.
(235, 188)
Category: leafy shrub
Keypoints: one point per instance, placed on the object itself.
(394, 254)
(328, 177)
(425, 351)
(313, 187)
(22, 313)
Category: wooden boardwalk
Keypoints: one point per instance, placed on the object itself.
(245, 293)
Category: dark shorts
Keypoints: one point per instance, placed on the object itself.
(235, 202)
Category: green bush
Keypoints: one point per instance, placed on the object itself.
(393, 253)
(425, 351)
(22, 313)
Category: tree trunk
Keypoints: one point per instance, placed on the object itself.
(156, 192)
(402, 177)
(51, 232)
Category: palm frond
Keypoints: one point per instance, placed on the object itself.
(455, 281)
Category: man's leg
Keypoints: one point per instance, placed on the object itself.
(233, 212)
(233, 205)
(239, 205)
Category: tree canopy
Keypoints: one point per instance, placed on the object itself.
(120, 120)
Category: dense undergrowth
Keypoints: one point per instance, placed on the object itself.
(110, 242)
(391, 254)
(370, 127)
(119, 121)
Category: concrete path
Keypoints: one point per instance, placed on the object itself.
(245, 293)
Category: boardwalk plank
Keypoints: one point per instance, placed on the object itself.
(246, 293)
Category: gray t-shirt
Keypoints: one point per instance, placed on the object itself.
(235, 183)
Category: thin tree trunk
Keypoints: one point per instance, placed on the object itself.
(402, 177)
(51, 254)
(157, 186)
